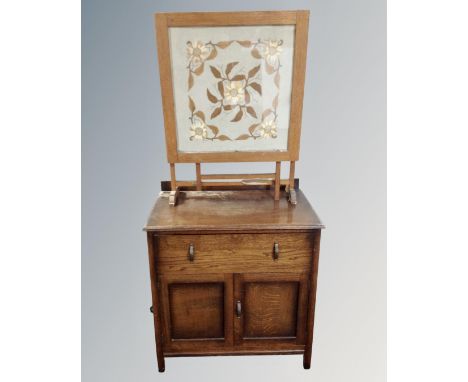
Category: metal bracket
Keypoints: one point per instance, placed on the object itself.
(292, 196)
(173, 197)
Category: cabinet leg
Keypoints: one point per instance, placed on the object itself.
(307, 358)
(312, 297)
(158, 337)
(155, 308)
(161, 364)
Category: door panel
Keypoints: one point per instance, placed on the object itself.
(272, 308)
(197, 311)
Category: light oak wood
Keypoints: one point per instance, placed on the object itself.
(298, 81)
(166, 20)
(238, 176)
(173, 177)
(292, 169)
(199, 176)
(208, 184)
(277, 180)
(246, 156)
(212, 19)
(165, 75)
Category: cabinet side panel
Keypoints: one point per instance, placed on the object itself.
(312, 299)
(155, 299)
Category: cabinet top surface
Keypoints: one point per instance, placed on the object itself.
(231, 211)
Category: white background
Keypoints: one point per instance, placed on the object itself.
(40, 203)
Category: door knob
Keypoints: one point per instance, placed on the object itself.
(275, 251)
(191, 252)
(238, 308)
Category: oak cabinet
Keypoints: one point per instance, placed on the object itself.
(233, 286)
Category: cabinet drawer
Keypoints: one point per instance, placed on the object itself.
(234, 253)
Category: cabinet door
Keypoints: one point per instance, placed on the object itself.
(197, 312)
(270, 308)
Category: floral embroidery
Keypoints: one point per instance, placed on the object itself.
(234, 92)
(268, 129)
(272, 51)
(198, 129)
(197, 53)
(234, 88)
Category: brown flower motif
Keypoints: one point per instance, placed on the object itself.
(272, 50)
(197, 53)
(234, 92)
(198, 130)
(268, 129)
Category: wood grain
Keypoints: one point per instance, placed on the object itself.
(232, 211)
(196, 310)
(275, 308)
(297, 92)
(191, 186)
(236, 351)
(234, 253)
(231, 18)
(199, 176)
(234, 156)
(238, 176)
(270, 309)
(210, 348)
(167, 91)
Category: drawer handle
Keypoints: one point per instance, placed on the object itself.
(191, 252)
(275, 251)
(238, 308)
